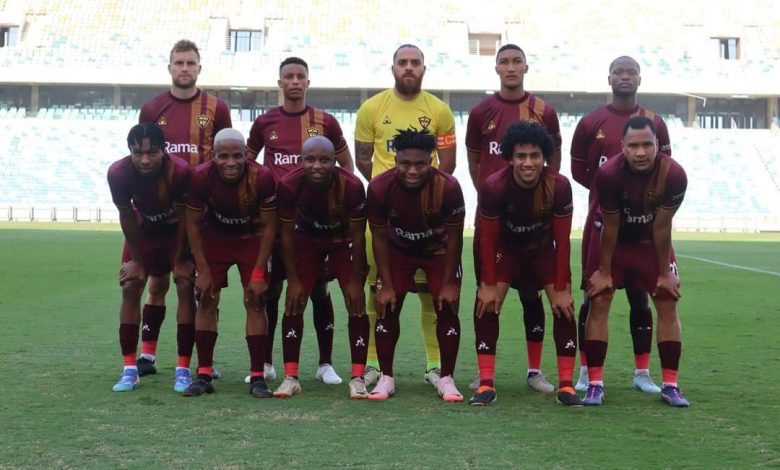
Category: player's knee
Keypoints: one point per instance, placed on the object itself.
(132, 289)
(158, 287)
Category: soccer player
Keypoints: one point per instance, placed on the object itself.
(403, 106)
(322, 210)
(148, 188)
(189, 118)
(281, 132)
(597, 138)
(639, 192)
(231, 219)
(416, 213)
(525, 212)
(487, 124)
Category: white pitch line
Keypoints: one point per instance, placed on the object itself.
(728, 265)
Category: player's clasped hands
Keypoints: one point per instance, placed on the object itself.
(449, 295)
(131, 271)
(488, 300)
(385, 297)
(204, 286)
(561, 301)
(355, 298)
(600, 283)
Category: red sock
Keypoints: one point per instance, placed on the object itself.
(358, 328)
(292, 334)
(597, 353)
(534, 349)
(565, 371)
(533, 318)
(448, 335)
(565, 335)
(487, 369)
(669, 352)
(642, 361)
(205, 342)
(128, 343)
(152, 318)
(185, 342)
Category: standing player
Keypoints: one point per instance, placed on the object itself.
(322, 210)
(189, 118)
(416, 217)
(639, 192)
(403, 106)
(597, 139)
(487, 124)
(281, 132)
(148, 188)
(525, 212)
(231, 219)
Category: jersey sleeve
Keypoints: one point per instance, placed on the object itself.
(181, 181)
(285, 202)
(198, 191)
(120, 193)
(445, 131)
(676, 184)
(489, 207)
(579, 154)
(267, 190)
(255, 141)
(145, 115)
(550, 119)
(377, 211)
(355, 201)
(364, 123)
(662, 133)
(474, 130)
(334, 133)
(563, 204)
(608, 197)
(222, 118)
(454, 207)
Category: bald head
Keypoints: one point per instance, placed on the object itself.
(318, 142)
(624, 60)
(228, 135)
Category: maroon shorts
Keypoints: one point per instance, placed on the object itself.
(403, 266)
(224, 252)
(158, 252)
(634, 265)
(323, 262)
(526, 272)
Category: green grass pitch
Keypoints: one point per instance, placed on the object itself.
(59, 357)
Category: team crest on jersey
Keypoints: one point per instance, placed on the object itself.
(273, 136)
(491, 125)
(203, 120)
(162, 121)
(312, 131)
(424, 121)
(600, 134)
(387, 120)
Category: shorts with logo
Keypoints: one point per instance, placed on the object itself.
(158, 252)
(403, 267)
(419, 276)
(318, 263)
(526, 272)
(633, 264)
(223, 252)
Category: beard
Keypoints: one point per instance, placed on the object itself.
(185, 85)
(406, 89)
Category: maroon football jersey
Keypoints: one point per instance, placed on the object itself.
(415, 219)
(282, 135)
(232, 209)
(152, 198)
(322, 214)
(525, 214)
(597, 139)
(189, 125)
(489, 119)
(638, 196)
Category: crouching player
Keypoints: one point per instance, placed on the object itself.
(416, 214)
(639, 192)
(525, 223)
(322, 211)
(149, 187)
(231, 219)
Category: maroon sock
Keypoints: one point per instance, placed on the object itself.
(486, 340)
(292, 335)
(205, 342)
(128, 338)
(533, 318)
(386, 335)
(641, 320)
(565, 335)
(596, 351)
(257, 347)
(582, 319)
(448, 334)
(151, 321)
(272, 311)
(358, 338)
(185, 339)
(323, 325)
(669, 352)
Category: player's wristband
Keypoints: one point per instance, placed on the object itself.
(258, 274)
